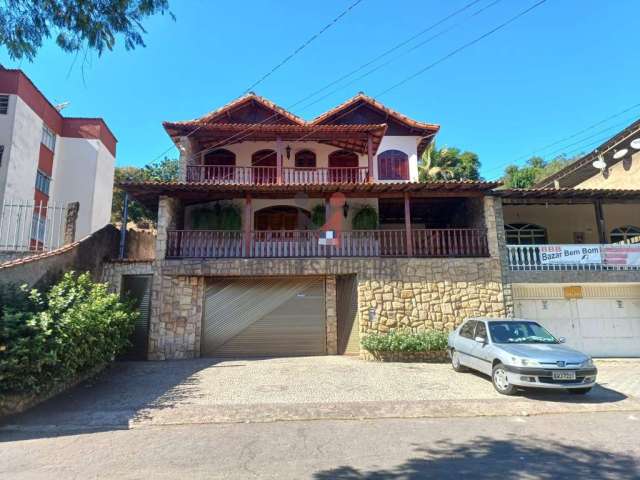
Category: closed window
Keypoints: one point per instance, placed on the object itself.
(467, 329)
(4, 104)
(625, 234)
(393, 165)
(48, 138)
(305, 159)
(42, 182)
(38, 227)
(525, 234)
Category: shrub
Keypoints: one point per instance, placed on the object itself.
(225, 216)
(75, 327)
(318, 215)
(365, 219)
(405, 341)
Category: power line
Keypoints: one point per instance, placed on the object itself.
(303, 46)
(283, 62)
(392, 49)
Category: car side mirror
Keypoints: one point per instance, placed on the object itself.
(562, 340)
(481, 340)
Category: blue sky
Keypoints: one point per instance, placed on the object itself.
(563, 67)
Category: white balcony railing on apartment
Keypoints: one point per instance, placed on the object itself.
(600, 257)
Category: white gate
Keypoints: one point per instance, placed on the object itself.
(27, 226)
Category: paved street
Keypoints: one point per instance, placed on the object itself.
(138, 394)
(323, 417)
(583, 446)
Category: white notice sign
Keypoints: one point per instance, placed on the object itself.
(570, 254)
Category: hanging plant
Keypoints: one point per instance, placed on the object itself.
(366, 218)
(318, 216)
(220, 217)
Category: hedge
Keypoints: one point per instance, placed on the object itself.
(397, 341)
(50, 338)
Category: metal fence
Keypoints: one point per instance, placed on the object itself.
(27, 226)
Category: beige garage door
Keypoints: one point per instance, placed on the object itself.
(264, 317)
(603, 321)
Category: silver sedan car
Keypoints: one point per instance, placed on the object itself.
(519, 353)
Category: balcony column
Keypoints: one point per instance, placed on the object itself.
(369, 159)
(602, 236)
(407, 224)
(246, 225)
(279, 160)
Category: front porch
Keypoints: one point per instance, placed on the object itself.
(586, 230)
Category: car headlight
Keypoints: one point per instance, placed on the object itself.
(525, 362)
(588, 363)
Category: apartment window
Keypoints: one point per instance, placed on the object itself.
(1, 153)
(48, 138)
(4, 104)
(38, 227)
(42, 182)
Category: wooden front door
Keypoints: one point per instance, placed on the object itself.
(281, 218)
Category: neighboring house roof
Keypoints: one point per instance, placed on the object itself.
(148, 192)
(582, 169)
(236, 113)
(568, 194)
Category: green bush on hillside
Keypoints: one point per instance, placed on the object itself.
(49, 338)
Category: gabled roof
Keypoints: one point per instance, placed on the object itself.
(582, 169)
(362, 98)
(220, 113)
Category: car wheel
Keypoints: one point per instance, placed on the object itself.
(501, 381)
(455, 361)
(580, 391)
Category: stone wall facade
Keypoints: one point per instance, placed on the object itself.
(331, 315)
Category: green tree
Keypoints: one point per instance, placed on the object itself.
(448, 164)
(75, 24)
(163, 171)
(533, 171)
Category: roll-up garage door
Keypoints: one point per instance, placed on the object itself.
(603, 320)
(264, 317)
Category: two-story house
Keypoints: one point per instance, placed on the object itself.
(292, 237)
(573, 248)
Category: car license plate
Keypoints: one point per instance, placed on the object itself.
(564, 375)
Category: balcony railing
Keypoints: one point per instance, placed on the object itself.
(258, 175)
(459, 242)
(574, 257)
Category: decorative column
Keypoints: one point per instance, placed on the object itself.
(279, 160)
(246, 225)
(370, 159)
(407, 224)
(331, 315)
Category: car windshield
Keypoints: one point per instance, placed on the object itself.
(519, 332)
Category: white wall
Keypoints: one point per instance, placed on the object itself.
(21, 134)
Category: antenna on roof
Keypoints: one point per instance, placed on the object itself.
(61, 106)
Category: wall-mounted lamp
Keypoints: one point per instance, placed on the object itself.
(288, 150)
(345, 209)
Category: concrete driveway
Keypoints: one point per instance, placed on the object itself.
(141, 394)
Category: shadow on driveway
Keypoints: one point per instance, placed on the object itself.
(111, 399)
(485, 458)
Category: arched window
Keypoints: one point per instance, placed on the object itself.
(343, 166)
(305, 159)
(525, 234)
(625, 234)
(219, 164)
(267, 160)
(393, 165)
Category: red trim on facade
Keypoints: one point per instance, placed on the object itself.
(90, 128)
(45, 160)
(17, 83)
